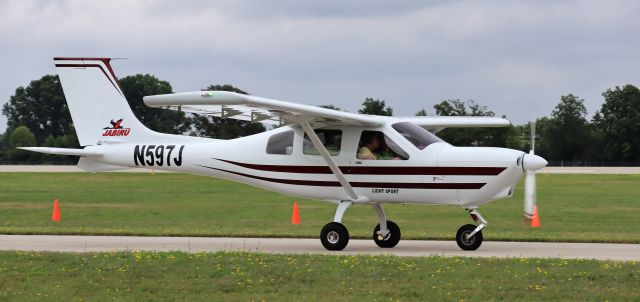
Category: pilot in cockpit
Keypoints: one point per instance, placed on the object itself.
(374, 147)
(369, 143)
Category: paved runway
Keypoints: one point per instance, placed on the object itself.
(312, 246)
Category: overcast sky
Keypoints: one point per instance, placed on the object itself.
(516, 57)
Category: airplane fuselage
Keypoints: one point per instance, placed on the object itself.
(438, 174)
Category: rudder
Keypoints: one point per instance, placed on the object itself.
(99, 110)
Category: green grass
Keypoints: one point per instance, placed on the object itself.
(582, 208)
(144, 276)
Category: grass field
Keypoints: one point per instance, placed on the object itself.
(598, 208)
(261, 277)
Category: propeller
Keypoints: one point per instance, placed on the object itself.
(530, 163)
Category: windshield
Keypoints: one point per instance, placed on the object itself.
(417, 135)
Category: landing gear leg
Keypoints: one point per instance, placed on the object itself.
(334, 235)
(469, 236)
(387, 233)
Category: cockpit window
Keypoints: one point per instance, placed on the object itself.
(331, 139)
(375, 145)
(415, 134)
(281, 143)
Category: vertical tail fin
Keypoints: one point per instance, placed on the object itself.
(97, 104)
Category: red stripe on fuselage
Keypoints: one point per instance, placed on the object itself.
(357, 184)
(471, 171)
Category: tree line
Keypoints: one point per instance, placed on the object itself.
(37, 115)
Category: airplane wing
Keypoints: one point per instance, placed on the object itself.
(256, 109)
(437, 123)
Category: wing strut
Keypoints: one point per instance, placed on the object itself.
(327, 158)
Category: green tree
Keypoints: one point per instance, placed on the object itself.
(41, 107)
(67, 141)
(21, 136)
(331, 107)
(456, 107)
(50, 141)
(568, 134)
(137, 86)
(375, 107)
(506, 137)
(3, 147)
(216, 127)
(498, 137)
(618, 122)
(421, 112)
(542, 144)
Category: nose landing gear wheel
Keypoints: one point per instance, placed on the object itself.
(471, 243)
(334, 236)
(391, 239)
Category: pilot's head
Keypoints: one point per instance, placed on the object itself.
(370, 140)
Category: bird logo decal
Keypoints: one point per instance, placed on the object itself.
(115, 125)
(116, 129)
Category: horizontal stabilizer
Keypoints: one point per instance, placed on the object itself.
(63, 151)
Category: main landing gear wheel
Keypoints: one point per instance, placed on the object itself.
(334, 236)
(468, 243)
(391, 239)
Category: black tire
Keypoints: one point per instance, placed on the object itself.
(468, 244)
(334, 236)
(392, 238)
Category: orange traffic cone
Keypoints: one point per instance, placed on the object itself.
(56, 211)
(535, 221)
(295, 218)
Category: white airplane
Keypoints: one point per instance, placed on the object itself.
(316, 153)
